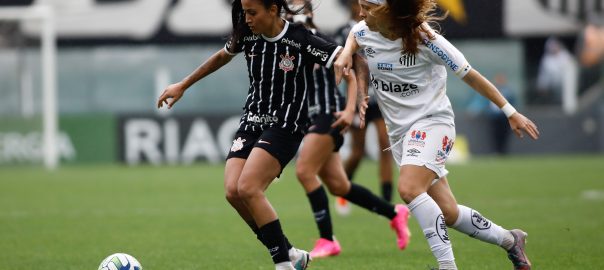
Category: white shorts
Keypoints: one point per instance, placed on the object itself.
(427, 143)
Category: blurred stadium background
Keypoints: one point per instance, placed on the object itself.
(113, 57)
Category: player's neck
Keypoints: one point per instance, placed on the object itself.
(276, 29)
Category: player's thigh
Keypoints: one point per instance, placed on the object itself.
(260, 169)
(315, 151)
(232, 172)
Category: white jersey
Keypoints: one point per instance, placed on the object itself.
(410, 87)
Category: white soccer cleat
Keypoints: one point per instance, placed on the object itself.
(342, 206)
(299, 258)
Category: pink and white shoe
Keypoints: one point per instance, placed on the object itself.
(326, 248)
(399, 225)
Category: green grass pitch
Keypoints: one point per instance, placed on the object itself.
(177, 217)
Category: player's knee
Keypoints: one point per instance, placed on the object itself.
(408, 191)
(232, 195)
(248, 192)
(339, 188)
(304, 174)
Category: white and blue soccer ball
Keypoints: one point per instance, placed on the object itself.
(120, 261)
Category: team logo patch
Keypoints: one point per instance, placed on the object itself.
(441, 229)
(443, 153)
(479, 221)
(407, 60)
(237, 144)
(447, 145)
(418, 138)
(287, 62)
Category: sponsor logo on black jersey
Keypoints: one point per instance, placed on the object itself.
(291, 43)
(407, 60)
(262, 119)
(384, 66)
(250, 38)
(323, 55)
(405, 89)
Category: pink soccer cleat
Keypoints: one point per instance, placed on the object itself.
(325, 248)
(399, 225)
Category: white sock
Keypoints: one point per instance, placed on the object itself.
(294, 254)
(475, 225)
(432, 222)
(284, 266)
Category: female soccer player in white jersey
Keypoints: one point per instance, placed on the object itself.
(280, 60)
(319, 154)
(408, 71)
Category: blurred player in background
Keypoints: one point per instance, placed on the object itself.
(280, 59)
(373, 115)
(409, 73)
(330, 116)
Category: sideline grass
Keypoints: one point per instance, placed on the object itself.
(177, 218)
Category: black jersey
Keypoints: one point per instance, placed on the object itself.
(280, 71)
(325, 97)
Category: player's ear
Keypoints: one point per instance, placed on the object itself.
(274, 10)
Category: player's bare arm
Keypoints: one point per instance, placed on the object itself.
(362, 72)
(344, 61)
(175, 91)
(345, 117)
(518, 122)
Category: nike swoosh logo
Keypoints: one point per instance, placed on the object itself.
(263, 141)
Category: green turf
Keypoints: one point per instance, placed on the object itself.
(177, 218)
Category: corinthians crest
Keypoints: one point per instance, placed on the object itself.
(287, 62)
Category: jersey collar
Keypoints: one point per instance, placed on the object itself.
(280, 35)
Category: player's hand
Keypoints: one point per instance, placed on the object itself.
(520, 125)
(171, 95)
(362, 109)
(342, 65)
(343, 120)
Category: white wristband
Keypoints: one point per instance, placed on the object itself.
(508, 110)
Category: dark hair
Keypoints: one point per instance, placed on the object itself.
(406, 19)
(307, 7)
(238, 17)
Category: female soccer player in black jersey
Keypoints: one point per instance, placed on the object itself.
(319, 154)
(280, 59)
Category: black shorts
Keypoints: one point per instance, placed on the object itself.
(321, 124)
(281, 144)
(373, 112)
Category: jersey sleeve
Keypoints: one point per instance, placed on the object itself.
(321, 51)
(442, 51)
(359, 31)
(233, 47)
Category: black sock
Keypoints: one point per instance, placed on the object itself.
(259, 236)
(387, 191)
(320, 209)
(272, 235)
(364, 198)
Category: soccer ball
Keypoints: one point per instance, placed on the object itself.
(120, 261)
